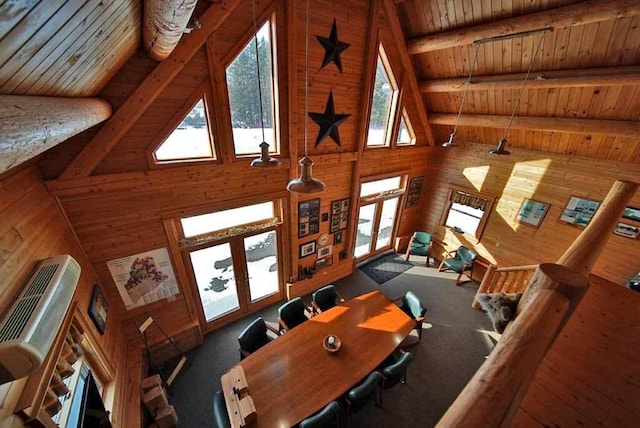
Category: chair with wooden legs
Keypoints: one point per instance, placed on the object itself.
(255, 336)
(412, 306)
(325, 298)
(419, 245)
(292, 313)
(459, 261)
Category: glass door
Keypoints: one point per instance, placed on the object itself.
(262, 265)
(366, 220)
(386, 223)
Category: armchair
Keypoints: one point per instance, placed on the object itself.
(220, 415)
(254, 337)
(361, 394)
(325, 298)
(394, 370)
(459, 261)
(419, 245)
(412, 306)
(291, 314)
(329, 416)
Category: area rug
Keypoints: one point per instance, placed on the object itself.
(386, 268)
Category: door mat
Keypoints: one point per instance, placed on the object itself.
(386, 268)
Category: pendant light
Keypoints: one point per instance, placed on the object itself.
(450, 142)
(306, 183)
(502, 143)
(265, 160)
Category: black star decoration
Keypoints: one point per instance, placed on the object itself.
(333, 47)
(329, 122)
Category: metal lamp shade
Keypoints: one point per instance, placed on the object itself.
(306, 183)
(265, 161)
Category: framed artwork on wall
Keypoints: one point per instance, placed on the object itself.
(532, 212)
(308, 217)
(631, 213)
(627, 230)
(413, 192)
(339, 215)
(98, 307)
(325, 251)
(579, 211)
(307, 249)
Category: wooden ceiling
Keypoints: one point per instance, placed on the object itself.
(578, 50)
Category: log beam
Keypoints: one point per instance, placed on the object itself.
(595, 77)
(617, 128)
(145, 94)
(561, 17)
(163, 25)
(30, 125)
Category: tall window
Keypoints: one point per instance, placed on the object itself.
(244, 96)
(190, 140)
(383, 103)
(406, 135)
(467, 212)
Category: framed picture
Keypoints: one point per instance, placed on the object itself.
(307, 249)
(320, 263)
(325, 251)
(532, 212)
(579, 211)
(627, 230)
(413, 192)
(98, 307)
(631, 213)
(337, 238)
(308, 217)
(325, 217)
(339, 215)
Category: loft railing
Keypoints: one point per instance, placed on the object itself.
(493, 395)
(513, 279)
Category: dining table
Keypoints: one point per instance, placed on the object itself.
(294, 376)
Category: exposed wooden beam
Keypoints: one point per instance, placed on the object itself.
(561, 17)
(30, 125)
(93, 153)
(617, 128)
(595, 77)
(163, 25)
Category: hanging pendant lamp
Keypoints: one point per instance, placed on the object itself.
(306, 183)
(502, 143)
(450, 142)
(265, 160)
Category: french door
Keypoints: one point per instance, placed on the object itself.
(235, 270)
(377, 216)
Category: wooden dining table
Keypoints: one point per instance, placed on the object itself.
(293, 376)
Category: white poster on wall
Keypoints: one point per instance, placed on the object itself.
(144, 278)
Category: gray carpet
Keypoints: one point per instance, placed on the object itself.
(453, 347)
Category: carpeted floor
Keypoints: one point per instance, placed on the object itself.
(454, 344)
(386, 268)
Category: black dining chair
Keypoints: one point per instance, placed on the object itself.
(255, 336)
(363, 393)
(328, 417)
(325, 298)
(394, 370)
(412, 306)
(291, 314)
(220, 415)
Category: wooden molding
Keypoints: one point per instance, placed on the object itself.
(561, 17)
(617, 128)
(144, 95)
(30, 125)
(609, 76)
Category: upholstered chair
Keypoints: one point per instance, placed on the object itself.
(220, 415)
(412, 306)
(255, 336)
(459, 261)
(361, 394)
(419, 245)
(325, 298)
(328, 417)
(291, 314)
(394, 370)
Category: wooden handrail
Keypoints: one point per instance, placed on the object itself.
(494, 393)
(511, 279)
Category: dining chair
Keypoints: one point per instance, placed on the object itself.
(459, 261)
(328, 417)
(325, 298)
(419, 245)
(361, 394)
(291, 314)
(395, 371)
(255, 336)
(412, 306)
(220, 415)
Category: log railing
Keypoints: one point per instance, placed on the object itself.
(493, 395)
(513, 279)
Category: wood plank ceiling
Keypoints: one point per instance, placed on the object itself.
(579, 50)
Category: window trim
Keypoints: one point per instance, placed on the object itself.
(395, 95)
(485, 215)
(269, 16)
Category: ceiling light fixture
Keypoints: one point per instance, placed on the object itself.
(306, 183)
(450, 142)
(265, 160)
(502, 143)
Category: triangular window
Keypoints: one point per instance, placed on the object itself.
(405, 132)
(191, 140)
(244, 94)
(383, 103)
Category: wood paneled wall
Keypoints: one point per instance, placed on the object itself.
(527, 174)
(32, 228)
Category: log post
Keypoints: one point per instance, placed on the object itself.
(493, 395)
(30, 125)
(163, 24)
(581, 256)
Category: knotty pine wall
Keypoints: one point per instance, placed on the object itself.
(122, 207)
(32, 228)
(543, 177)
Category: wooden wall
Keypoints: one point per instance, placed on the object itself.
(543, 177)
(32, 228)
